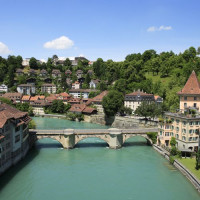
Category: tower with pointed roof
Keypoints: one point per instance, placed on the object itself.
(190, 94)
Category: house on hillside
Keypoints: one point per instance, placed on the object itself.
(13, 96)
(43, 73)
(19, 72)
(3, 88)
(27, 89)
(76, 85)
(80, 93)
(94, 83)
(56, 73)
(79, 73)
(48, 88)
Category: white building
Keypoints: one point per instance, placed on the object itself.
(80, 93)
(134, 100)
(94, 83)
(26, 89)
(25, 62)
(76, 85)
(48, 88)
(3, 88)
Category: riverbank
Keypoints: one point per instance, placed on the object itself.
(115, 122)
(186, 172)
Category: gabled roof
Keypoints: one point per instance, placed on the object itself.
(192, 85)
(139, 93)
(8, 112)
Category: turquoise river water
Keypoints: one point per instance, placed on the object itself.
(92, 171)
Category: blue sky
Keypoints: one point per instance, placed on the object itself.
(110, 29)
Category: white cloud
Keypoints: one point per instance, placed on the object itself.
(62, 42)
(4, 49)
(151, 29)
(165, 28)
(161, 28)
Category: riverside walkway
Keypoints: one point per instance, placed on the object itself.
(113, 137)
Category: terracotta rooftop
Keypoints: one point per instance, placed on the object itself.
(77, 108)
(13, 95)
(26, 98)
(100, 97)
(89, 110)
(35, 98)
(192, 85)
(8, 112)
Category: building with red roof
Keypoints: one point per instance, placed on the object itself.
(190, 94)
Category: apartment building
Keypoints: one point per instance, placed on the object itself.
(184, 124)
(14, 136)
(48, 88)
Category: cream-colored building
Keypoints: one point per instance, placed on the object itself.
(134, 100)
(182, 127)
(184, 124)
(48, 88)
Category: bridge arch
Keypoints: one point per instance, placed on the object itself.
(83, 137)
(57, 138)
(128, 136)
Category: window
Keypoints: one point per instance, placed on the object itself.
(177, 128)
(17, 129)
(17, 138)
(195, 105)
(184, 138)
(184, 123)
(185, 105)
(195, 98)
(177, 136)
(185, 98)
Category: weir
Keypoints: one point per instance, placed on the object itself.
(114, 137)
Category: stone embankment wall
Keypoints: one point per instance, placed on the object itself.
(120, 122)
(180, 167)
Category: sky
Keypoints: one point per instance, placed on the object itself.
(108, 29)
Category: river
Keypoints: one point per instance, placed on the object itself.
(92, 171)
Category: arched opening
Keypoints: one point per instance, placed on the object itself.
(48, 142)
(136, 141)
(91, 142)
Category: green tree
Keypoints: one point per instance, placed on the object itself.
(173, 142)
(33, 63)
(112, 102)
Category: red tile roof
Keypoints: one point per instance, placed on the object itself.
(98, 98)
(8, 112)
(26, 98)
(192, 85)
(77, 108)
(89, 110)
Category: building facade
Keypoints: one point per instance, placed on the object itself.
(184, 124)
(48, 88)
(14, 136)
(134, 100)
(3, 88)
(27, 89)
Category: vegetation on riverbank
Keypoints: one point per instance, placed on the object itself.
(190, 164)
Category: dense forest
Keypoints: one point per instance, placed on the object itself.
(163, 74)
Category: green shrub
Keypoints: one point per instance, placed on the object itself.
(171, 160)
(153, 136)
(32, 125)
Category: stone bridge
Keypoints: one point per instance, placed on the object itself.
(113, 137)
